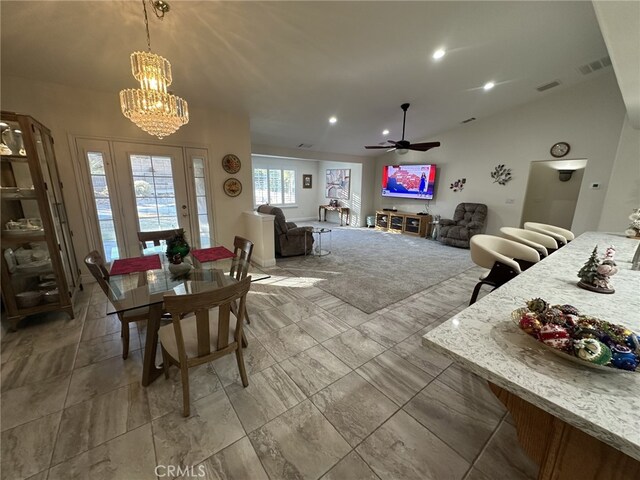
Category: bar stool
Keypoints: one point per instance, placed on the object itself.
(544, 244)
(562, 235)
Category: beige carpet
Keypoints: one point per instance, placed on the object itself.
(371, 269)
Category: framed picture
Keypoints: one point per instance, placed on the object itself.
(338, 183)
(306, 181)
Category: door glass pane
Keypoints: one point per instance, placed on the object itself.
(102, 202)
(275, 186)
(201, 202)
(154, 192)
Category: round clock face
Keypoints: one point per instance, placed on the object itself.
(231, 163)
(560, 149)
(232, 187)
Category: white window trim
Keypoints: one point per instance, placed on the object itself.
(282, 169)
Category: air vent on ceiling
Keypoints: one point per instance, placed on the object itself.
(595, 66)
(305, 145)
(468, 120)
(547, 86)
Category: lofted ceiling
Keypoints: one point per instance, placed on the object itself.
(292, 65)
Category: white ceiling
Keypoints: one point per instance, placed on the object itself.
(291, 65)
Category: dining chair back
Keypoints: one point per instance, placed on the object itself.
(156, 237)
(505, 259)
(210, 333)
(561, 235)
(544, 244)
(98, 269)
(242, 249)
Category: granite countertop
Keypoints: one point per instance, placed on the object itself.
(484, 340)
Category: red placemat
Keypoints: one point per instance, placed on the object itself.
(212, 254)
(138, 264)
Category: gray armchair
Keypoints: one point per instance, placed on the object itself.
(468, 220)
(289, 238)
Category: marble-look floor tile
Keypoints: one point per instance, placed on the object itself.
(212, 426)
(107, 346)
(256, 358)
(350, 315)
(97, 310)
(328, 301)
(129, 456)
(100, 326)
(267, 321)
(165, 395)
(40, 476)
(27, 449)
(402, 448)
(270, 393)
(469, 385)
(286, 342)
(475, 474)
(312, 293)
(416, 353)
(389, 329)
(37, 367)
(92, 380)
(351, 467)
(395, 377)
(300, 309)
(237, 461)
(462, 422)
(433, 306)
(503, 457)
(354, 407)
(323, 326)
(23, 404)
(353, 348)
(299, 444)
(42, 340)
(314, 369)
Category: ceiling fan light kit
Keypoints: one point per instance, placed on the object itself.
(403, 146)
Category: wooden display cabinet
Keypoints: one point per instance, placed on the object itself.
(402, 222)
(39, 270)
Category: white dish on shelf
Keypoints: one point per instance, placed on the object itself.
(51, 296)
(28, 299)
(34, 266)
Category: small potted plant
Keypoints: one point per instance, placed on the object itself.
(177, 250)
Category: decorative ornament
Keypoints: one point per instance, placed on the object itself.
(592, 351)
(624, 358)
(634, 227)
(232, 187)
(530, 324)
(594, 275)
(458, 185)
(177, 247)
(231, 163)
(555, 336)
(537, 305)
(501, 175)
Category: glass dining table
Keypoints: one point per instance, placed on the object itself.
(146, 289)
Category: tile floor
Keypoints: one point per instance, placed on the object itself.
(333, 394)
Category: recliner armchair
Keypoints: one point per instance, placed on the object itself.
(289, 238)
(468, 220)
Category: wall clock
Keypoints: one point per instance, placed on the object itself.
(231, 163)
(560, 149)
(232, 187)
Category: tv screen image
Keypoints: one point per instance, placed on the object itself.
(409, 181)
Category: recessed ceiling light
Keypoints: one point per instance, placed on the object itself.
(333, 120)
(385, 132)
(438, 54)
(489, 85)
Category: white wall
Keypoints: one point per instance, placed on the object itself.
(80, 112)
(588, 116)
(306, 207)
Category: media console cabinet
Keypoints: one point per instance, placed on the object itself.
(403, 222)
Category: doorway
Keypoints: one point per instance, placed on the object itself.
(552, 192)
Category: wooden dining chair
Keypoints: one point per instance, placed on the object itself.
(212, 332)
(156, 237)
(98, 269)
(242, 249)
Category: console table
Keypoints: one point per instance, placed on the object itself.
(341, 211)
(402, 222)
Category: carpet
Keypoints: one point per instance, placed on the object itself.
(371, 269)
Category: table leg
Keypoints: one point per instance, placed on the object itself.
(341, 212)
(320, 214)
(149, 369)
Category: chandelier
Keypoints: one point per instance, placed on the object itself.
(151, 107)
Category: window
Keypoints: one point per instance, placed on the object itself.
(274, 186)
(201, 202)
(102, 202)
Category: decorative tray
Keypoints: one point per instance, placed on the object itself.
(581, 339)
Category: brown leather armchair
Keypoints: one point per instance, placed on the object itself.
(468, 220)
(289, 238)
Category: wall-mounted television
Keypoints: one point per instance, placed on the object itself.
(409, 181)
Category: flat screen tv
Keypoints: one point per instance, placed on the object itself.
(408, 181)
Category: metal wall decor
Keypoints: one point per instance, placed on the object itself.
(458, 185)
(231, 163)
(501, 175)
(232, 187)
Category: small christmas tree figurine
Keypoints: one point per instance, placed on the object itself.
(590, 269)
(594, 275)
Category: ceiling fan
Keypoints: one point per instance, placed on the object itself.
(403, 146)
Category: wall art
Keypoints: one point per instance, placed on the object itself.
(501, 175)
(306, 181)
(232, 187)
(458, 185)
(231, 163)
(338, 183)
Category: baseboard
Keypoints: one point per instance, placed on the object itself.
(263, 263)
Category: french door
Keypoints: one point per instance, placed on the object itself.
(134, 187)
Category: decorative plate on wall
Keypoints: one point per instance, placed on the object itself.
(231, 163)
(232, 187)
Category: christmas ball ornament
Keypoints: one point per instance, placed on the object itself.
(555, 336)
(586, 331)
(537, 305)
(554, 315)
(593, 351)
(530, 324)
(624, 358)
(632, 341)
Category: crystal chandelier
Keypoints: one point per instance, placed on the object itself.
(151, 107)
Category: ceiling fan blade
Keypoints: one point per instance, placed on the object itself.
(423, 147)
(378, 146)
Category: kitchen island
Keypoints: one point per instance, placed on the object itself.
(574, 421)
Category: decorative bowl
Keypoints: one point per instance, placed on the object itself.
(28, 299)
(51, 296)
